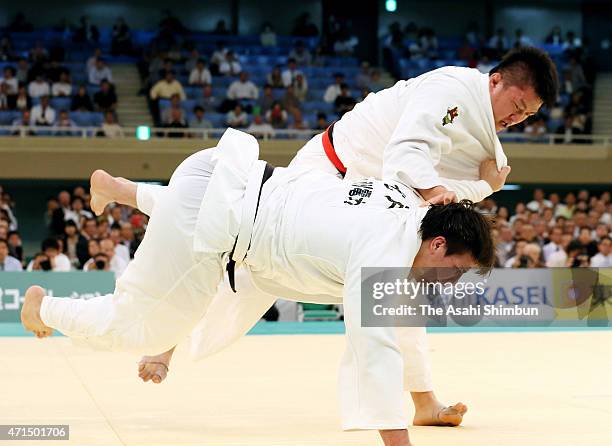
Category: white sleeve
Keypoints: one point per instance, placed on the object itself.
(193, 77)
(371, 370)
(474, 190)
(329, 95)
(420, 138)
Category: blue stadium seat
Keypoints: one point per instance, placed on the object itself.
(80, 118)
(216, 119)
(188, 104)
(8, 116)
(317, 106)
(61, 103)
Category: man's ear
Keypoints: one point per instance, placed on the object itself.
(436, 244)
(495, 79)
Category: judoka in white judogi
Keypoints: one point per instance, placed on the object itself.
(198, 219)
(434, 129)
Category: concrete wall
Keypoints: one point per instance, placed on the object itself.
(73, 158)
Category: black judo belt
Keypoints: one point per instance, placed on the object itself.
(231, 264)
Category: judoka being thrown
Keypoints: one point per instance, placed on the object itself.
(224, 206)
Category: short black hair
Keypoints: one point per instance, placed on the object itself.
(465, 230)
(49, 243)
(534, 67)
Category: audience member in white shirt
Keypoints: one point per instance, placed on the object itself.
(110, 128)
(237, 117)
(290, 73)
(539, 202)
(555, 243)
(603, 259)
(100, 72)
(91, 62)
(63, 87)
(38, 87)
(242, 88)
(200, 75)
(42, 114)
(334, 90)
(230, 65)
(260, 129)
(10, 80)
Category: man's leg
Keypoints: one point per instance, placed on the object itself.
(106, 189)
(166, 288)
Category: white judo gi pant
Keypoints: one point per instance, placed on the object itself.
(166, 289)
(412, 340)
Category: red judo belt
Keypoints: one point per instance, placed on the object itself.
(328, 146)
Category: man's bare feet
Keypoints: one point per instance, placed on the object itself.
(155, 368)
(440, 415)
(102, 186)
(30, 313)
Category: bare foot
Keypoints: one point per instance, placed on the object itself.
(30, 313)
(102, 185)
(155, 368)
(440, 415)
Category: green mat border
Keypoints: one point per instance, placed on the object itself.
(14, 329)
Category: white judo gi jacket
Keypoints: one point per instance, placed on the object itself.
(296, 253)
(434, 129)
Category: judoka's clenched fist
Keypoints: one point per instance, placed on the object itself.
(495, 178)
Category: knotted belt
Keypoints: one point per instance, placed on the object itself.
(243, 240)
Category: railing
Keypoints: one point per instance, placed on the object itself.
(215, 133)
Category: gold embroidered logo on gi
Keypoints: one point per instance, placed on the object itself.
(451, 114)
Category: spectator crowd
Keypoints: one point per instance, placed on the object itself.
(552, 232)
(75, 238)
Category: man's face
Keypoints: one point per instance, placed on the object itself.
(604, 247)
(601, 230)
(505, 234)
(555, 236)
(580, 218)
(107, 247)
(91, 228)
(511, 104)
(585, 236)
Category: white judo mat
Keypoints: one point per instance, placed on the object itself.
(528, 389)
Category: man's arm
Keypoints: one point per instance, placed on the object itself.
(425, 134)
(371, 381)
(491, 180)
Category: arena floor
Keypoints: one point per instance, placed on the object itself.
(536, 388)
